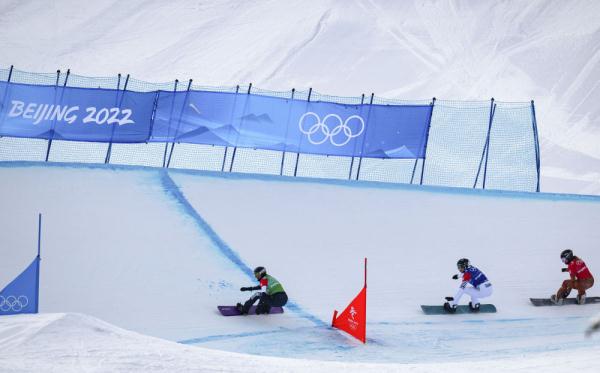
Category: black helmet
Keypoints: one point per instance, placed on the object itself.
(566, 256)
(260, 272)
(462, 264)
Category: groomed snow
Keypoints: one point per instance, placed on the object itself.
(155, 251)
(72, 342)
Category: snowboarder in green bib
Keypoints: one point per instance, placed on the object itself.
(270, 293)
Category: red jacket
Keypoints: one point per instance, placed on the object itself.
(578, 270)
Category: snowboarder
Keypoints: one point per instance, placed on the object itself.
(480, 287)
(271, 293)
(581, 278)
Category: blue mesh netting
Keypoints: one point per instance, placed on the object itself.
(463, 149)
(511, 153)
(456, 141)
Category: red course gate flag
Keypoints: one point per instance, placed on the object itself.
(353, 320)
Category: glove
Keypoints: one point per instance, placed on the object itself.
(564, 269)
(455, 277)
(245, 289)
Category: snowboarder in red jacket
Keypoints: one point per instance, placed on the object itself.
(581, 278)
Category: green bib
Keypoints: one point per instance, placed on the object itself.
(273, 286)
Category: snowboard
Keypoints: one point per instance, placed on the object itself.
(547, 302)
(232, 311)
(439, 310)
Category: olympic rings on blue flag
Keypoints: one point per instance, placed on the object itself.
(12, 303)
(321, 126)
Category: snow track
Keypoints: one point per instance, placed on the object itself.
(185, 241)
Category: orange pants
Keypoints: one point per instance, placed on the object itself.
(580, 285)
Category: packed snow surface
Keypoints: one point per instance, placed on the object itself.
(71, 342)
(155, 251)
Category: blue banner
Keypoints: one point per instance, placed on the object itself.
(21, 295)
(214, 118)
(273, 123)
(79, 114)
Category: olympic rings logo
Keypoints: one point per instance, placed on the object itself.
(12, 303)
(321, 126)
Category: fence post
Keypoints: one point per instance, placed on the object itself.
(59, 102)
(426, 141)
(237, 89)
(412, 177)
(119, 103)
(286, 132)
(187, 94)
(485, 146)
(235, 147)
(170, 118)
(362, 148)
(362, 101)
(5, 93)
(492, 112)
(537, 145)
(298, 153)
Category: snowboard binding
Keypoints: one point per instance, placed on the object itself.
(262, 309)
(448, 308)
(240, 308)
(474, 307)
(558, 301)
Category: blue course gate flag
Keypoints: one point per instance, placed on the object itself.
(21, 295)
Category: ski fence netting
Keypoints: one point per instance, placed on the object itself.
(64, 117)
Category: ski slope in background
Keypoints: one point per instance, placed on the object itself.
(154, 251)
(543, 50)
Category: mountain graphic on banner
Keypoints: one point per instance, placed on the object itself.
(21, 295)
(263, 118)
(211, 135)
(401, 153)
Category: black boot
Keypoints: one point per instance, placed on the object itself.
(248, 304)
(474, 307)
(240, 308)
(263, 308)
(449, 308)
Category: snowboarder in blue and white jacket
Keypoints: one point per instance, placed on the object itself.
(474, 283)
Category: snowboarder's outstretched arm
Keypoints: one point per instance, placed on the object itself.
(261, 286)
(250, 288)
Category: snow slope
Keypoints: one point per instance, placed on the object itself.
(89, 344)
(155, 251)
(542, 50)
(74, 343)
